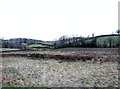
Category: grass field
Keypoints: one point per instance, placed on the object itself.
(101, 40)
(60, 68)
(104, 40)
(8, 49)
(36, 46)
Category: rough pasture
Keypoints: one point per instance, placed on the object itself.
(63, 68)
(83, 55)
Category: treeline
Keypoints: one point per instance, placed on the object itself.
(20, 43)
(103, 41)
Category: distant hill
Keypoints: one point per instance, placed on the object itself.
(104, 41)
(18, 42)
(109, 41)
(43, 44)
(24, 40)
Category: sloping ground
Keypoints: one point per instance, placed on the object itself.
(37, 46)
(21, 71)
(104, 41)
(48, 43)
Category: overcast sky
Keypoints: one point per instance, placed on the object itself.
(50, 19)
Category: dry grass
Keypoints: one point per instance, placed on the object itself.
(102, 56)
(53, 73)
(60, 68)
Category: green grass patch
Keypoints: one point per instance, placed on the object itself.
(37, 46)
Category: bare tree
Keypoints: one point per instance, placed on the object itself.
(62, 42)
(93, 34)
(118, 31)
